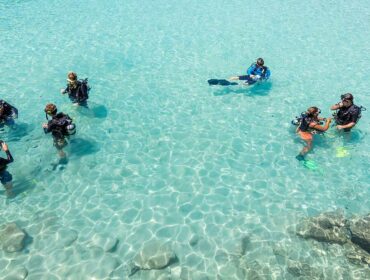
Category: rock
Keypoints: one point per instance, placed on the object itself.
(194, 240)
(188, 274)
(360, 230)
(66, 237)
(12, 238)
(16, 273)
(254, 270)
(237, 246)
(327, 227)
(356, 255)
(298, 269)
(163, 274)
(108, 244)
(232, 270)
(154, 255)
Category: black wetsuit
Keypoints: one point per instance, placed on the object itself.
(78, 93)
(346, 115)
(5, 176)
(58, 129)
(9, 112)
(5, 161)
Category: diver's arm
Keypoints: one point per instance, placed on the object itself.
(352, 121)
(336, 106)
(251, 69)
(8, 154)
(47, 127)
(348, 125)
(267, 74)
(324, 127)
(64, 90)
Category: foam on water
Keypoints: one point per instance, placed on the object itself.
(160, 155)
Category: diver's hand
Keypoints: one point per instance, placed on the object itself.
(4, 146)
(44, 125)
(62, 91)
(339, 127)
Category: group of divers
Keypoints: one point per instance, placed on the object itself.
(61, 125)
(346, 113)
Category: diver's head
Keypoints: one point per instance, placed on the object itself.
(313, 111)
(50, 109)
(72, 78)
(260, 62)
(347, 99)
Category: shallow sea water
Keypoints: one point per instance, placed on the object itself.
(162, 157)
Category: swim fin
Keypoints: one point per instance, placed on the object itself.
(222, 82)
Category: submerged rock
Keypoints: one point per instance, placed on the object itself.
(66, 237)
(304, 270)
(108, 244)
(357, 255)
(326, 227)
(12, 238)
(154, 255)
(189, 274)
(360, 230)
(15, 273)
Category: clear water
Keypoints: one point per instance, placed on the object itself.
(160, 155)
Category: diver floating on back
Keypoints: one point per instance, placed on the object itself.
(78, 90)
(257, 72)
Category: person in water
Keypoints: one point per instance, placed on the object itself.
(308, 125)
(7, 113)
(347, 114)
(256, 72)
(5, 176)
(60, 126)
(78, 90)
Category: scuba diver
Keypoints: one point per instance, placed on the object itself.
(255, 73)
(309, 124)
(60, 126)
(7, 113)
(347, 114)
(78, 90)
(5, 176)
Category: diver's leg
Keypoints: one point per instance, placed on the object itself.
(6, 180)
(306, 148)
(241, 78)
(59, 144)
(9, 189)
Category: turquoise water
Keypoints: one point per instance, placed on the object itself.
(160, 155)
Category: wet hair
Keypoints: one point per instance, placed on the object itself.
(50, 109)
(260, 61)
(72, 75)
(312, 110)
(347, 96)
